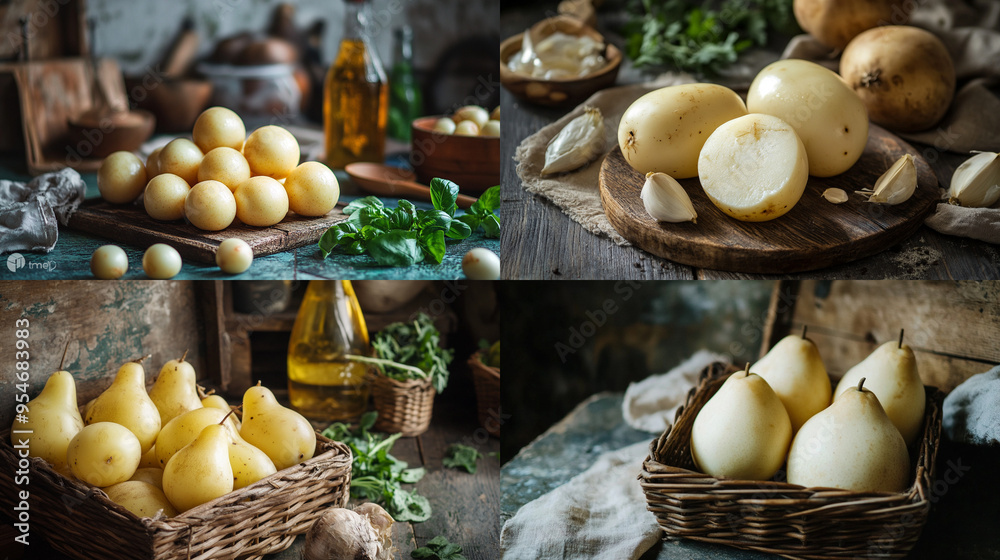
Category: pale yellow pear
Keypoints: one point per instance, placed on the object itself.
(150, 475)
(249, 463)
(200, 472)
(104, 453)
(283, 434)
(743, 431)
(215, 401)
(795, 371)
(182, 430)
(175, 391)
(891, 373)
(141, 498)
(125, 402)
(53, 421)
(851, 445)
(148, 459)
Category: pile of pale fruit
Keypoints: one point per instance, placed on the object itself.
(166, 450)
(471, 120)
(222, 175)
(780, 408)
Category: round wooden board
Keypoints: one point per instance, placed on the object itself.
(814, 234)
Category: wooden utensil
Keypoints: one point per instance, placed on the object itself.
(814, 234)
(385, 180)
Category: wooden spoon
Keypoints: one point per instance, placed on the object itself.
(385, 180)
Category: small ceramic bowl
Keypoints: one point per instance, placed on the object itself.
(558, 93)
(473, 162)
(99, 139)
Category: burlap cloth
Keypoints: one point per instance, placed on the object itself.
(972, 36)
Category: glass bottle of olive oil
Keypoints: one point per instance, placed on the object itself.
(356, 96)
(322, 384)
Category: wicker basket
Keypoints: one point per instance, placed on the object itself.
(487, 382)
(403, 406)
(778, 517)
(81, 522)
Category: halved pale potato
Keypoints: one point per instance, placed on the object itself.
(754, 168)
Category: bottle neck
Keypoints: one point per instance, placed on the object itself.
(404, 46)
(356, 20)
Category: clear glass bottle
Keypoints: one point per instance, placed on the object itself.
(405, 99)
(322, 384)
(356, 96)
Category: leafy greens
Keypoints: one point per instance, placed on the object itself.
(406, 351)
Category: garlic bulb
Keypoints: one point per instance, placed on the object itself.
(363, 534)
(558, 56)
(896, 185)
(666, 200)
(836, 196)
(577, 144)
(976, 183)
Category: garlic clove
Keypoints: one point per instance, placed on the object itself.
(665, 200)
(896, 185)
(577, 144)
(976, 183)
(836, 196)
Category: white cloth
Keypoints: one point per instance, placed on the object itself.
(650, 404)
(599, 514)
(971, 412)
(30, 213)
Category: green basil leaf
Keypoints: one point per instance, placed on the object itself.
(491, 226)
(432, 242)
(395, 248)
(459, 230)
(444, 193)
(366, 202)
(472, 220)
(488, 201)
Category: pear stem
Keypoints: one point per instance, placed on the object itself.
(184, 356)
(63, 360)
(804, 329)
(900, 338)
(861, 383)
(226, 417)
(747, 369)
(142, 359)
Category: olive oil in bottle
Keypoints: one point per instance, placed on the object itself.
(356, 96)
(322, 383)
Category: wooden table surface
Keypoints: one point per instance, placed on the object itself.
(966, 496)
(71, 255)
(541, 242)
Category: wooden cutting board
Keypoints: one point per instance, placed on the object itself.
(132, 226)
(814, 234)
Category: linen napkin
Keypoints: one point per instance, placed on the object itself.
(651, 404)
(30, 213)
(971, 412)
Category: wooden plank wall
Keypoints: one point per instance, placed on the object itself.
(953, 327)
(105, 324)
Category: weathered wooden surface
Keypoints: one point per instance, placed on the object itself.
(961, 523)
(953, 327)
(161, 321)
(540, 242)
(813, 234)
(129, 224)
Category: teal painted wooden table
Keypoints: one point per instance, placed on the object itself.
(70, 259)
(966, 494)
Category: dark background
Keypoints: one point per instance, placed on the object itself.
(564, 341)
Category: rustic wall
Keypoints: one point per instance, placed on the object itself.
(104, 323)
(564, 341)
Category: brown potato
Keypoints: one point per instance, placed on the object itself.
(835, 22)
(904, 76)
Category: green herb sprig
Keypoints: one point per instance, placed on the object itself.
(405, 351)
(405, 235)
(459, 456)
(692, 37)
(376, 475)
(439, 548)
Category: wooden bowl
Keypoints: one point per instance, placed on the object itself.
(175, 103)
(564, 92)
(126, 133)
(473, 162)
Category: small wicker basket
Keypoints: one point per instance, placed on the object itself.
(775, 516)
(487, 382)
(403, 406)
(81, 522)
